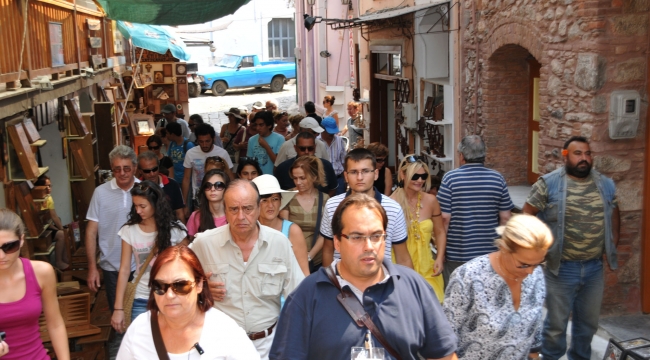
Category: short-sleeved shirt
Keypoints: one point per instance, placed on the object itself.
(48, 204)
(314, 325)
(282, 173)
(584, 218)
(176, 153)
(141, 245)
(109, 208)
(337, 153)
(195, 160)
(274, 140)
(172, 191)
(194, 222)
(253, 288)
(395, 231)
(473, 195)
(184, 125)
(288, 151)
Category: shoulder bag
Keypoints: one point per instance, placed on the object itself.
(157, 337)
(129, 293)
(352, 305)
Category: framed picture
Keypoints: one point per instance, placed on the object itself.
(56, 43)
(181, 80)
(181, 69)
(147, 78)
(95, 42)
(167, 70)
(428, 107)
(158, 77)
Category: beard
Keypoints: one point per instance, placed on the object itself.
(579, 170)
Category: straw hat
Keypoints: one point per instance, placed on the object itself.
(268, 184)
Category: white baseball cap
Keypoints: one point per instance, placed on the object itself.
(311, 123)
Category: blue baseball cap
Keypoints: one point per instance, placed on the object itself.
(330, 125)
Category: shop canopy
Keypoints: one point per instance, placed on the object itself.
(154, 38)
(170, 12)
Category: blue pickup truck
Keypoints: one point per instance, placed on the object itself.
(241, 71)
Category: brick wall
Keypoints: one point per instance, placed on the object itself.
(587, 49)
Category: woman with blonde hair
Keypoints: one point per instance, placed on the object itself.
(384, 182)
(306, 207)
(494, 302)
(423, 218)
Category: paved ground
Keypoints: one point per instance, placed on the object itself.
(211, 108)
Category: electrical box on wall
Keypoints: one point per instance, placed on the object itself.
(624, 110)
(410, 115)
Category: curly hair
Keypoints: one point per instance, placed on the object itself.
(206, 221)
(164, 217)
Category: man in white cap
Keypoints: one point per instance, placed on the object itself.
(288, 151)
(257, 107)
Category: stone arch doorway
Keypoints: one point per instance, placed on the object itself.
(510, 112)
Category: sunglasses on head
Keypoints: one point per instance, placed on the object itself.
(218, 185)
(416, 177)
(154, 147)
(153, 169)
(180, 287)
(412, 159)
(10, 247)
(306, 148)
(142, 186)
(245, 158)
(215, 159)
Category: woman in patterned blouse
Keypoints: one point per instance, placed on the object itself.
(494, 302)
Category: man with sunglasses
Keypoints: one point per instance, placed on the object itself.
(288, 149)
(579, 206)
(470, 227)
(149, 166)
(315, 325)
(360, 173)
(305, 144)
(250, 266)
(107, 212)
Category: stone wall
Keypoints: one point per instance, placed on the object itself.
(587, 49)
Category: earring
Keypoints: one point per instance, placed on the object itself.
(400, 184)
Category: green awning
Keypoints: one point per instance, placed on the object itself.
(170, 12)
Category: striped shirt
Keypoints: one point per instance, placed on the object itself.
(395, 231)
(473, 195)
(337, 153)
(109, 208)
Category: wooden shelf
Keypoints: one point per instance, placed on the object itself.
(46, 253)
(41, 171)
(75, 137)
(38, 143)
(45, 226)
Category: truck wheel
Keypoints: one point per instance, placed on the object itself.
(194, 90)
(219, 88)
(277, 84)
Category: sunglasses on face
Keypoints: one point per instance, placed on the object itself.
(153, 169)
(10, 247)
(416, 177)
(153, 148)
(306, 148)
(180, 287)
(381, 160)
(218, 185)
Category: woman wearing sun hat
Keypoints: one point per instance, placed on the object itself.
(273, 200)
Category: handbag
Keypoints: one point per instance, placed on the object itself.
(157, 337)
(129, 293)
(352, 305)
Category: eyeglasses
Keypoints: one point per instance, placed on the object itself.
(153, 148)
(245, 158)
(306, 148)
(218, 185)
(181, 287)
(381, 160)
(527, 266)
(10, 247)
(153, 169)
(363, 172)
(248, 209)
(359, 239)
(416, 177)
(126, 169)
(412, 159)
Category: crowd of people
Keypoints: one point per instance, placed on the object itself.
(236, 244)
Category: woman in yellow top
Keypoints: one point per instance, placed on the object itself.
(423, 218)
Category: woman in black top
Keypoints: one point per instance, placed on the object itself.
(384, 182)
(154, 143)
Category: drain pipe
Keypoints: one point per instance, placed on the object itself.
(476, 52)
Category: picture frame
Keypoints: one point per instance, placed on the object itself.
(167, 70)
(76, 118)
(158, 77)
(56, 43)
(147, 78)
(95, 42)
(428, 107)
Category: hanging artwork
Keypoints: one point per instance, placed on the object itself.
(56, 43)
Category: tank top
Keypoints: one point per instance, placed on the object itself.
(286, 225)
(19, 320)
(380, 183)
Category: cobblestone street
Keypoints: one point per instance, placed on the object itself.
(211, 108)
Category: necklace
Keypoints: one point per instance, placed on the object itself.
(415, 220)
(501, 270)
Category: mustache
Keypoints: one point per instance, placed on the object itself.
(371, 254)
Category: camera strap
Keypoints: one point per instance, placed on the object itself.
(356, 310)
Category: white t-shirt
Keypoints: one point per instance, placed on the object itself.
(141, 244)
(195, 160)
(221, 338)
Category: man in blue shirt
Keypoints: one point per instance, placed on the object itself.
(402, 305)
(177, 149)
(265, 145)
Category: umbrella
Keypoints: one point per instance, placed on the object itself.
(154, 38)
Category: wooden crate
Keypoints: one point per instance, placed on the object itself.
(44, 241)
(75, 310)
(101, 315)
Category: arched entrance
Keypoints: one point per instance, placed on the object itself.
(510, 111)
